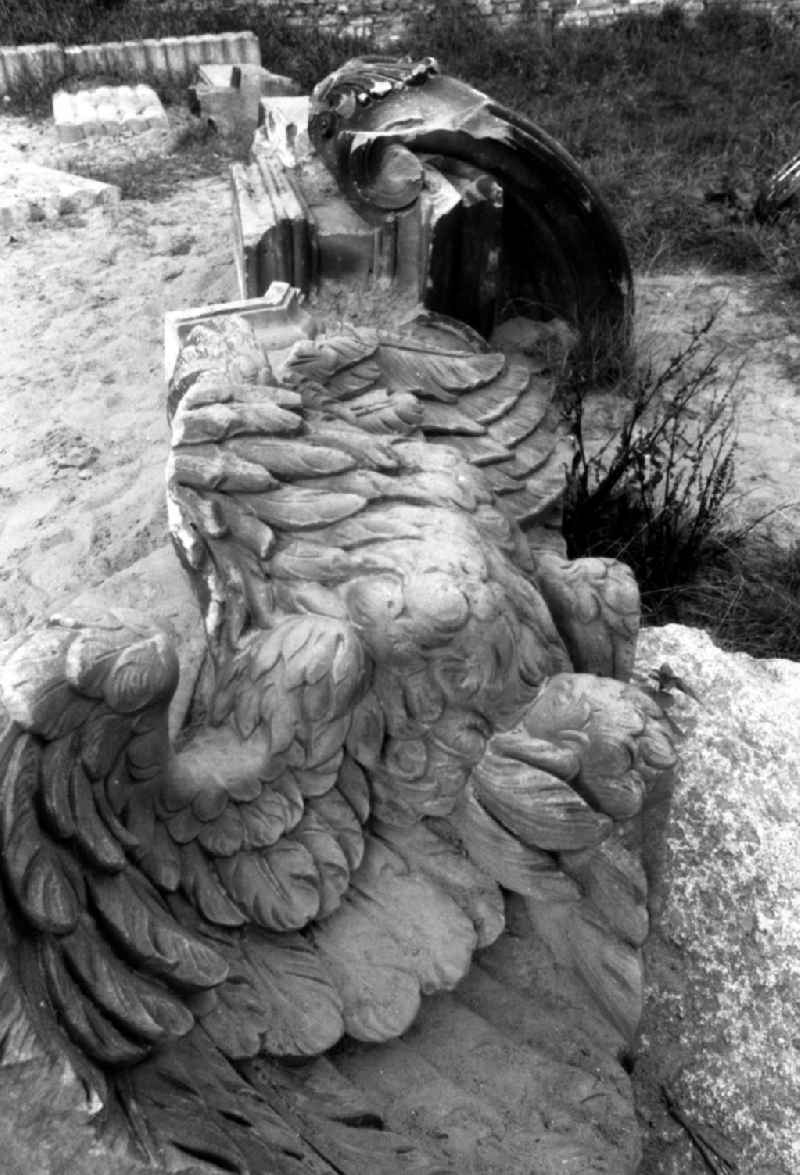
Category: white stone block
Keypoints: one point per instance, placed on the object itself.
(247, 48)
(33, 61)
(136, 56)
(111, 54)
(107, 110)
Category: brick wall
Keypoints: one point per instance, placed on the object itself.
(384, 19)
(379, 19)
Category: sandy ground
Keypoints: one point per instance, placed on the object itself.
(756, 338)
(84, 435)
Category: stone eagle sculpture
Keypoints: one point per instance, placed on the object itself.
(408, 710)
(412, 704)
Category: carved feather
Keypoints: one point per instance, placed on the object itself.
(143, 1010)
(202, 885)
(437, 938)
(538, 807)
(30, 860)
(454, 873)
(278, 888)
(87, 1025)
(614, 881)
(517, 866)
(219, 422)
(279, 1000)
(380, 994)
(142, 927)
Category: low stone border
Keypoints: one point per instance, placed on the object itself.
(169, 57)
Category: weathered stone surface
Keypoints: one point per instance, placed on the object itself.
(45, 1125)
(535, 237)
(471, 244)
(236, 73)
(227, 96)
(32, 193)
(158, 585)
(516, 1071)
(33, 61)
(279, 320)
(107, 110)
(348, 246)
(274, 235)
(283, 128)
(722, 1023)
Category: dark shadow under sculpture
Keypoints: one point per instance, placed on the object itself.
(411, 708)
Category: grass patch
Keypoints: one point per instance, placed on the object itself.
(653, 494)
(679, 124)
(746, 595)
(657, 496)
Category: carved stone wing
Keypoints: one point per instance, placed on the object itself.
(142, 882)
(86, 705)
(550, 812)
(439, 375)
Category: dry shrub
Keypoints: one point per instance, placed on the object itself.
(657, 495)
